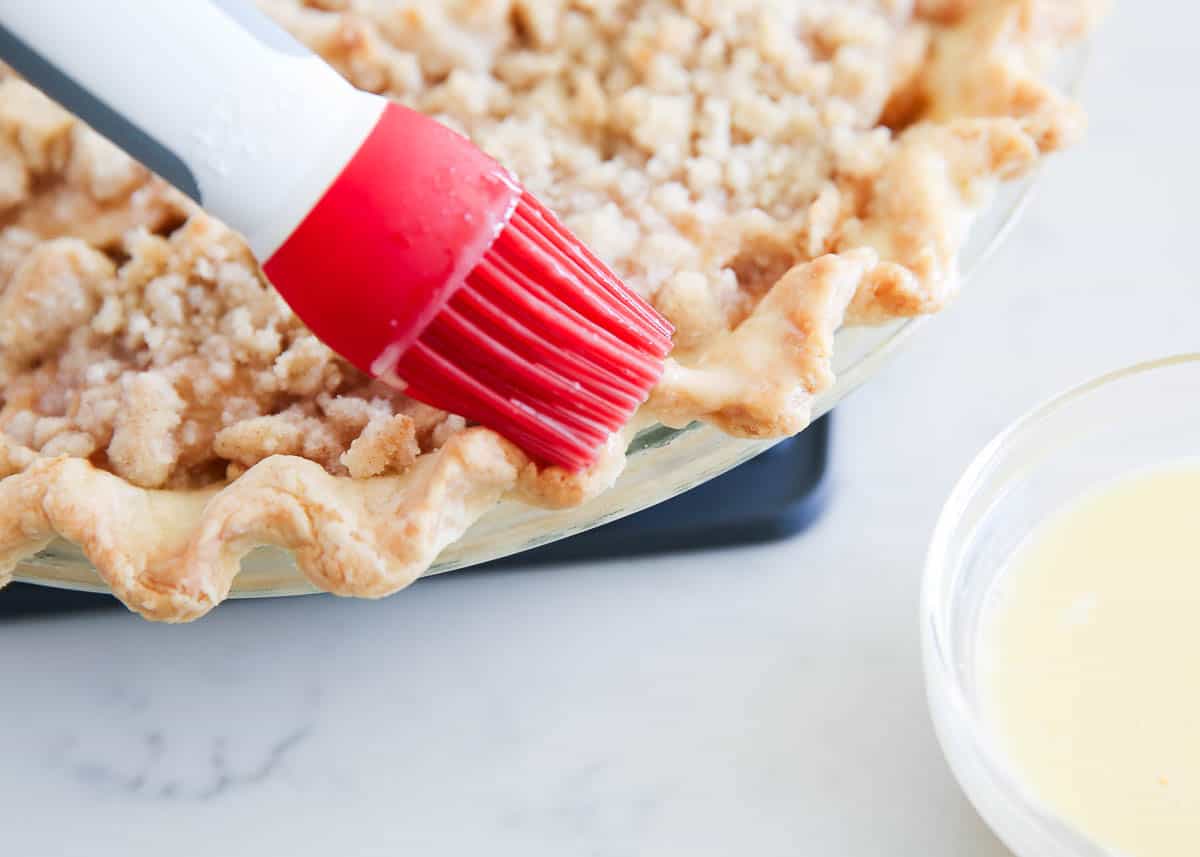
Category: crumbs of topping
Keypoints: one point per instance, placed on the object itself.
(181, 366)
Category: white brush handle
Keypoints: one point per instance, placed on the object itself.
(210, 94)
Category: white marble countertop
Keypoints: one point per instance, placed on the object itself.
(754, 701)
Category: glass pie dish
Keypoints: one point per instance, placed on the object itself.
(662, 462)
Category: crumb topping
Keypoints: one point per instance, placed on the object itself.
(180, 367)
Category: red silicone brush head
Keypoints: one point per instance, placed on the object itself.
(427, 265)
(541, 343)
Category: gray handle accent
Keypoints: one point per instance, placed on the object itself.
(74, 97)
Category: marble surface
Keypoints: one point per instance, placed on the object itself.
(753, 701)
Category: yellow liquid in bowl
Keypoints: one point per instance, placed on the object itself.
(1089, 663)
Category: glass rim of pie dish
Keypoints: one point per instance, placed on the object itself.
(662, 462)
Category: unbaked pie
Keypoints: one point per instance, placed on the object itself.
(764, 171)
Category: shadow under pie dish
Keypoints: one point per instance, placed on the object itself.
(764, 175)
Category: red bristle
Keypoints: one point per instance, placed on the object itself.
(538, 308)
(542, 220)
(541, 343)
(508, 373)
(453, 390)
(537, 258)
(474, 305)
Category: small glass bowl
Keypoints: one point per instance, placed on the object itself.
(1129, 420)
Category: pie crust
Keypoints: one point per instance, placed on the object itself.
(763, 172)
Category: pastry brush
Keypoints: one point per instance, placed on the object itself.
(401, 245)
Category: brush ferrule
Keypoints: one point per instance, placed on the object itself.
(393, 237)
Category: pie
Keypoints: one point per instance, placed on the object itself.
(764, 171)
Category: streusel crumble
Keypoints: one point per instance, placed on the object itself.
(761, 170)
